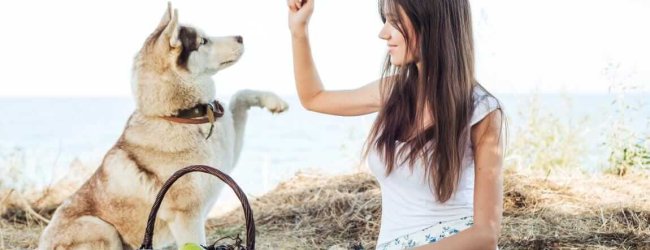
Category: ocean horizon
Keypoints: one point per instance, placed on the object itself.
(44, 136)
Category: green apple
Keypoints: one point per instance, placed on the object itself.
(191, 246)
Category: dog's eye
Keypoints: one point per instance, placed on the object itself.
(204, 41)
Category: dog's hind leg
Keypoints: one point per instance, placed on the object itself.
(83, 233)
(240, 104)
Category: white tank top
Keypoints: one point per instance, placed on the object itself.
(408, 203)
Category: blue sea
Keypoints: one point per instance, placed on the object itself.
(43, 136)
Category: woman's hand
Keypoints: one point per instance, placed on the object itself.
(313, 96)
(300, 12)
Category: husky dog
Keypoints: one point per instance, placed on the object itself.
(175, 114)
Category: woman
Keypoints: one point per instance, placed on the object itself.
(436, 145)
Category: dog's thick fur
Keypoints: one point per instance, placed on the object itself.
(171, 72)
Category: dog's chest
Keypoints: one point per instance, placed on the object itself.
(212, 154)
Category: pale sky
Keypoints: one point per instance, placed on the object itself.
(85, 48)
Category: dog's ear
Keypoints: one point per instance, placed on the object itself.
(167, 30)
(164, 21)
(172, 30)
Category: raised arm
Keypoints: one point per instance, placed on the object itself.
(313, 95)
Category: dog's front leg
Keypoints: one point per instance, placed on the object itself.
(242, 101)
(188, 229)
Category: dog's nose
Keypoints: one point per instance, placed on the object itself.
(239, 39)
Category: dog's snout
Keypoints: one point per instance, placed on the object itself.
(239, 39)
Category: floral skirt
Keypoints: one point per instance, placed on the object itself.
(428, 235)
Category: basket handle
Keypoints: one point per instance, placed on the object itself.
(248, 213)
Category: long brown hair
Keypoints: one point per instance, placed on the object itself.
(444, 89)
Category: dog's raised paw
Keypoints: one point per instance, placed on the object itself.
(274, 103)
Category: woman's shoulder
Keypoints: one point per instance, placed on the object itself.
(484, 103)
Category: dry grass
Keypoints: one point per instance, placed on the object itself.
(15, 235)
(570, 210)
(310, 212)
(562, 211)
(576, 210)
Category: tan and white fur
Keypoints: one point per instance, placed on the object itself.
(171, 72)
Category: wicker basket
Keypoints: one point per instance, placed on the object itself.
(248, 213)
